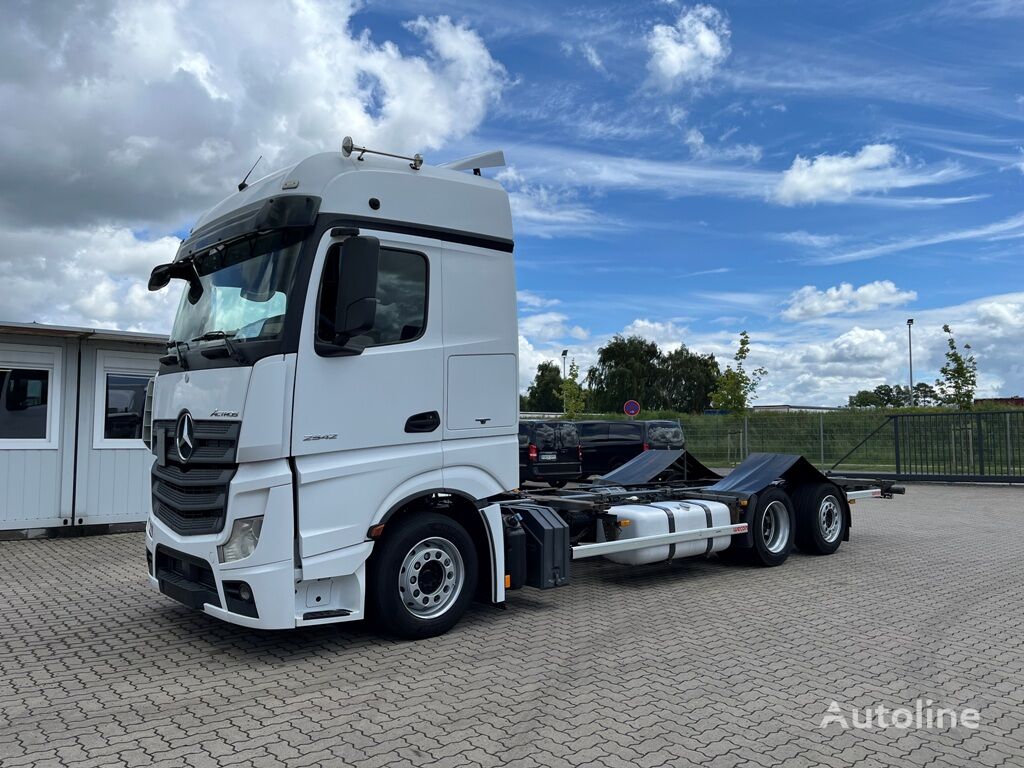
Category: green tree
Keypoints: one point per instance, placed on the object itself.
(959, 374)
(866, 398)
(573, 396)
(545, 394)
(627, 368)
(687, 380)
(925, 395)
(736, 388)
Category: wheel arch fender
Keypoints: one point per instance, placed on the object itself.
(480, 520)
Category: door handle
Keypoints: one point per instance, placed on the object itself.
(423, 422)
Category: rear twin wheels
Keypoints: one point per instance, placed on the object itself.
(821, 518)
(772, 528)
(815, 519)
(421, 576)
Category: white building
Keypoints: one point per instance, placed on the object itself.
(71, 406)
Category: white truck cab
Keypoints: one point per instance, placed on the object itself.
(335, 423)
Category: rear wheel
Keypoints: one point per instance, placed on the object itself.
(421, 576)
(821, 518)
(772, 528)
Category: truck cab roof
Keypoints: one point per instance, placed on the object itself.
(375, 192)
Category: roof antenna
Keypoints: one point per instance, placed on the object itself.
(242, 185)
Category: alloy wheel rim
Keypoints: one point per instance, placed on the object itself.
(431, 577)
(830, 518)
(775, 527)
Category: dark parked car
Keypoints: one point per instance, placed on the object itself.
(607, 445)
(549, 452)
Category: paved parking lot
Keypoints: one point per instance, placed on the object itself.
(690, 663)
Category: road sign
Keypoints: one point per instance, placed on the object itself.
(631, 408)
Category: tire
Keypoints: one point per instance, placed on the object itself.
(821, 516)
(772, 526)
(557, 483)
(421, 576)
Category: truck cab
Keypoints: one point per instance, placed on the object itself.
(344, 356)
(335, 422)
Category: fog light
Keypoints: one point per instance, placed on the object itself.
(245, 535)
(244, 592)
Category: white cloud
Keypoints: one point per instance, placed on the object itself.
(576, 169)
(822, 364)
(704, 151)
(809, 303)
(549, 211)
(714, 271)
(691, 50)
(534, 300)
(875, 168)
(1006, 229)
(188, 102)
(668, 335)
(548, 326)
(125, 117)
(587, 51)
(90, 277)
(800, 237)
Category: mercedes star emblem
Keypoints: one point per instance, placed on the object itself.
(184, 436)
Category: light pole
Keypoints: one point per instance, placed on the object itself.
(910, 355)
(565, 354)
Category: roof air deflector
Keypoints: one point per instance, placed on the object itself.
(493, 159)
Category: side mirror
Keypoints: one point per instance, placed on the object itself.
(162, 274)
(159, 277)
(356, 309)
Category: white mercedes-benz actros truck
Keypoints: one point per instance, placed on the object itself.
(335, 421)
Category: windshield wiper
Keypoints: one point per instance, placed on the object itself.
(178, 356)
(229, 345)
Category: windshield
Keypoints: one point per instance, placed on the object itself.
(246, 286)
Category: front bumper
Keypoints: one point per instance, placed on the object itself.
(271, 586)
(187, 568)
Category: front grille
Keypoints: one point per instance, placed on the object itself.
(191, 497)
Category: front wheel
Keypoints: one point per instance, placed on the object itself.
(421, 576)
(821, 518)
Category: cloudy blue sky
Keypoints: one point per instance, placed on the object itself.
(814, 173)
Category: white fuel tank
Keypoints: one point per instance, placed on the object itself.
(668, 517)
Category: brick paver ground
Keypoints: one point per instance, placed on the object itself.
(696, 662)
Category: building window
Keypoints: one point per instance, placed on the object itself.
(401, 297)
(125, 403)
(24, 403)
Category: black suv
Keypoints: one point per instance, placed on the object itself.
(607, 445)
(549, 451)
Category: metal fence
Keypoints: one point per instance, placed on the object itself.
(982, 447)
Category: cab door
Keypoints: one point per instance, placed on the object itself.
(365, 425)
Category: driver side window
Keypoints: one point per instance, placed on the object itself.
(402, 284)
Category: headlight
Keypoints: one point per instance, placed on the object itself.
(245, 535)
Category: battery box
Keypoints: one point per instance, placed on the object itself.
(547, 545)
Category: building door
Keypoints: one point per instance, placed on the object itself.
(113, 463)
(32, 467)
